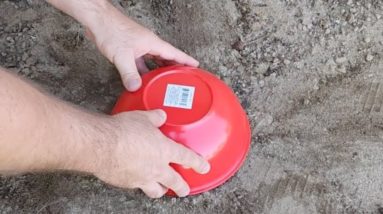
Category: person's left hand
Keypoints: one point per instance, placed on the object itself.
(125, 43)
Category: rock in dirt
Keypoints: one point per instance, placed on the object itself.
(266, 121)
(369, 57)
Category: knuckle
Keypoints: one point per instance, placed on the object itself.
(156, 195)
(131, 74)
(156, 174)
(179, 186)
(151, 192)
(173, 180)
(192, 158)
(180, 150)
(168, 178)
(201, 163)
(150, 34)
(177, 183)
(132, 185)
(140, 116)
(169, 148)
(152, 195)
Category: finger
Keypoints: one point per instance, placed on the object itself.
(156, 117)
(175, 182)
(168, 52)
(186, 157)
(126, 65)
(142, 68)
(154, 190)
(150, 62)
(161, 62)
(167, 62)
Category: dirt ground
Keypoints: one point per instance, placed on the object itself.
(308, 73)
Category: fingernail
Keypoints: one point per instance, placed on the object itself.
(196, 63)
(205, 168)
(162, 113)
(184, 194)
(133, 84)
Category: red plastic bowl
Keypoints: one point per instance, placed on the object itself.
(203, 115)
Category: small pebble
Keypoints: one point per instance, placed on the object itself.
(306, 102)
(261, 68)
(264, 123)
(286, 62)
(26, 71)
(174, 200)
(341, 60)
(342, 69)
(31, 61)
(25, 56)
(261, 83)
(369, 58)
(33, 68)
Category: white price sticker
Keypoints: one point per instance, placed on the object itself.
(179, 96)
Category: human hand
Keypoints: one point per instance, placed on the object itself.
(125, 43)
(140, 156)
(126, 150)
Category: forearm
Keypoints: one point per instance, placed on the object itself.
(87, 12)
(95, 15)
(38, 132)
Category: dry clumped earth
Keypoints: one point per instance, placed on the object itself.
(308, 73)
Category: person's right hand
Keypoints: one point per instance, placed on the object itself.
(140, 155)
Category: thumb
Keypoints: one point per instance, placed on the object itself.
(156, 117)
(126, 65)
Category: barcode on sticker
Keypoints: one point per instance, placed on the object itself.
(179, 96)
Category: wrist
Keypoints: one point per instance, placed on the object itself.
(85, 144)
(104, 20)
(89, 13)
(94, 13)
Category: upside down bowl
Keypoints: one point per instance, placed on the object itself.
(203, 114)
